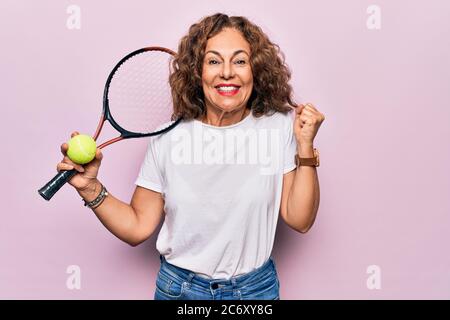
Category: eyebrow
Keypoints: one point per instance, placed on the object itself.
(235, 53)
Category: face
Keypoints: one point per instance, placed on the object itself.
(227, 77)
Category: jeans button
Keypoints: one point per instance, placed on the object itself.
(214, 286)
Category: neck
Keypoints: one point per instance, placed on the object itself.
(220, 118)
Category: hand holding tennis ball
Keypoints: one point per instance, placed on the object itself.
(87, 173)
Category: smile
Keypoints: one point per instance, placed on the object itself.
(227, 91)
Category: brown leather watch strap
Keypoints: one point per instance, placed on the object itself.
(311, 162)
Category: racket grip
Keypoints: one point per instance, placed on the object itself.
(49, 190)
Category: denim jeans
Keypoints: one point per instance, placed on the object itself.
(174, 283)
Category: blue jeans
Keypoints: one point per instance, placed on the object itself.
(174, 283)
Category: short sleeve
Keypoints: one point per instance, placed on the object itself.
(290, 146)
(149, 175)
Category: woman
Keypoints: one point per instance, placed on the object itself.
(225, 173)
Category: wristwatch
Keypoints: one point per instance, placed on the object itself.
(311, 162)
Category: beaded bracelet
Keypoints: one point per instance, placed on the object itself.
(97, 201)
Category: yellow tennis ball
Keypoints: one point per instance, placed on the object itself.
(81, 149)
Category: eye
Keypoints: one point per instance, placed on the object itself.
(213, 62)
(240, 61)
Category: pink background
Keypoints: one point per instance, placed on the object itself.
(384, 147)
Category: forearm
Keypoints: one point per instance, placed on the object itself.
(117, 216)
(304, 195)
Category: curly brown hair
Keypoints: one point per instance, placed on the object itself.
(271, 90)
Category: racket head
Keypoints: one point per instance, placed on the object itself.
(137, 98)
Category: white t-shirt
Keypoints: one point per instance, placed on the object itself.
(222, 191)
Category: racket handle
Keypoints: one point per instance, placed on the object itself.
(49, 190)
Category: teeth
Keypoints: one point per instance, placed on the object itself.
(227, 88)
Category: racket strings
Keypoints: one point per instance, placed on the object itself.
(139, 95)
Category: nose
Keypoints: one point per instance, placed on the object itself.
(227, 70)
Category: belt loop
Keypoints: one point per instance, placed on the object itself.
(236, 291)
(191, 276)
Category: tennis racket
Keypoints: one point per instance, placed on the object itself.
(137, 102)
